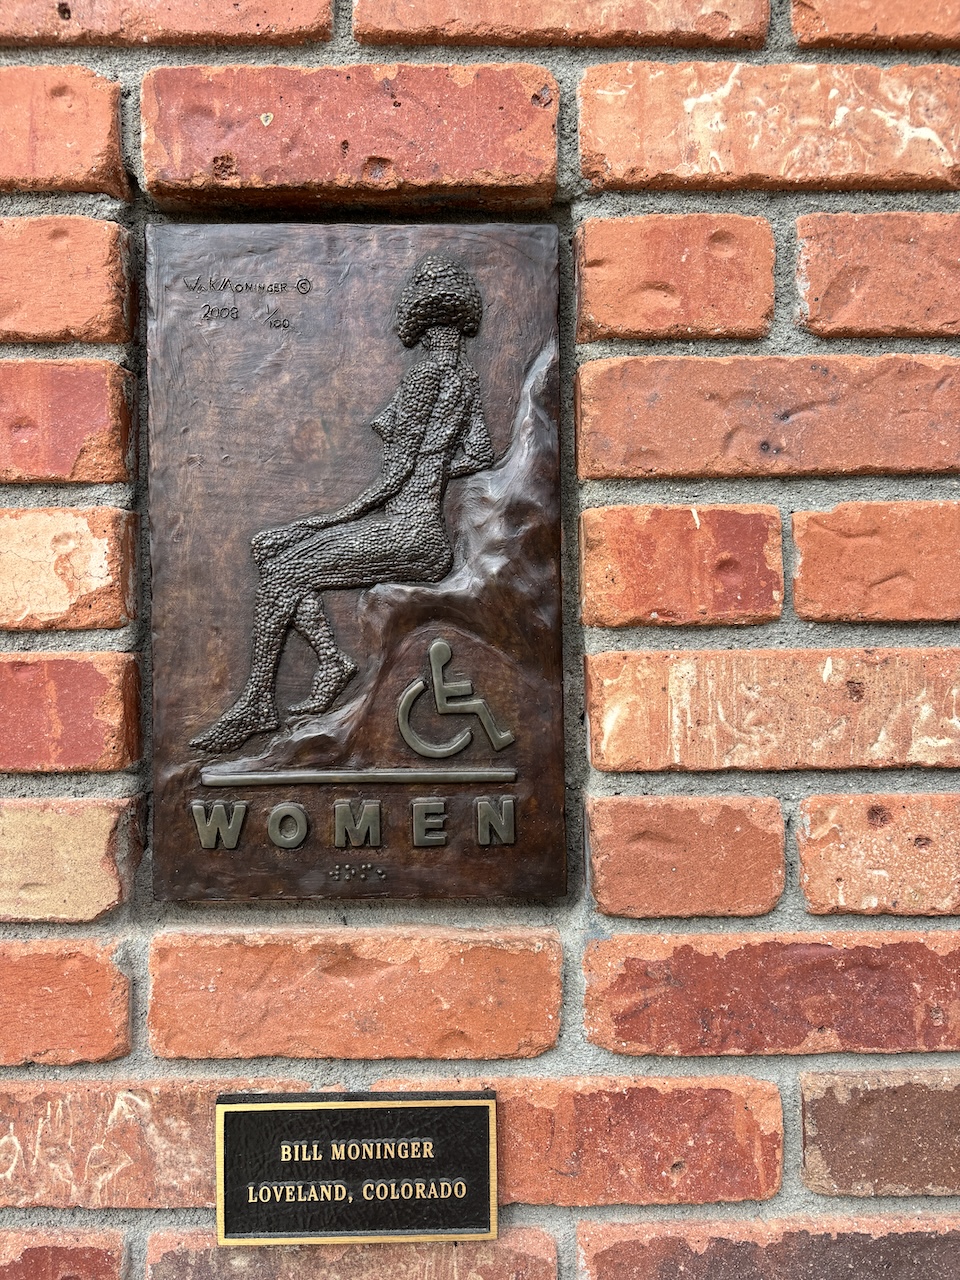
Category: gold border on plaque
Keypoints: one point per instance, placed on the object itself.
(370, 1237)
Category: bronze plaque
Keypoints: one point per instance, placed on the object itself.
(354, 521)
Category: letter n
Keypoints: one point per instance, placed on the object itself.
(499, 822)
(216, 825)
(362, 830)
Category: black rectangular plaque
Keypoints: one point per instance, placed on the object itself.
(347, 1167)
(354, 515)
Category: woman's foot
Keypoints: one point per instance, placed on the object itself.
(327, 686)
(247, 716)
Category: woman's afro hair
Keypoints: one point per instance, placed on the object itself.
(439, 292)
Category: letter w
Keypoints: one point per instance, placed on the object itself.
(216, 825)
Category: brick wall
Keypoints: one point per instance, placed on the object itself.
(713, 1059)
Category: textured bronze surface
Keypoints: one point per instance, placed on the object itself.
(354, 539)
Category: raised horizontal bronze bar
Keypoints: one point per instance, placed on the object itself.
(353, 777)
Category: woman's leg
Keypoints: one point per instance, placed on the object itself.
(335, 670)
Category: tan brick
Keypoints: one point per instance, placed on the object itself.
(65, 134)
(879, 274)
(758, 993)
(677, 856)
(680, 566)
(484, 133)
(114, 1144)
(742, 23)
(61, 1255)
(356, 993)
(144, 22)
(63, 712)
(674, 276)
(774, 709)
(889, 1133)
(84, 295)
(768, 415)
(66, 568)
(829, 1248)
(723, 124)
(588, 1140)
(64, 420)
(520, 1253)
(873, 854)
(877, 24)
(61, 1002)
(68, 860)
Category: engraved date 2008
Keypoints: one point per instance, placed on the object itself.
(219, 313)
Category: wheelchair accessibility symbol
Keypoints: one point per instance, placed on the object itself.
(452, 698)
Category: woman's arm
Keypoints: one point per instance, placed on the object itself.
(476, 450)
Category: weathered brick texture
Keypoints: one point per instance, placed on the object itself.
(64, 420)
(65, 859)
(877, 24)
(66, 568)
(84, 295)
(66, 135)
(358, 993)
(61, 1002)
(624, 1140)
(115, 1144)
(871, 854)
(140, 22)
(519, 1253)
(879, 274)
(774, 709)
(60, 713)
(61, 1255)
(831, 1248)
(725, 124)
(679, 856)
(591, 22)
(485, 133)
(694, 275)
(891, 1133)
(680, 566)
(768, 415)
(774, 993)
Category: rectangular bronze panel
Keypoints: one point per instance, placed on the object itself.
(354, 516)
(346, 1167)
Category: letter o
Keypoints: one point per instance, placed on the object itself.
(264, 1198)
(383, 1190)
(406, 1190)
(296, 814)
(459, 1189)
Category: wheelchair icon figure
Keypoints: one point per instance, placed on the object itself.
(452, 697)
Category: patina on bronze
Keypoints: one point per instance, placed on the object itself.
(350, 1167)
(354, 539)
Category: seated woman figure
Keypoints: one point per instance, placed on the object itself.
(432, 431)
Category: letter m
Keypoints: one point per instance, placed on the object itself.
(362, 830)
(216, 825)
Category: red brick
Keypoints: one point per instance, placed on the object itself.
(680, 566)
(143, 22)
(676, 856)
(66, 131)
(356, 993)
(520, 1253)
(61, 1255)
(591, 22)
(84, 294)
(66, 568)
(877, 24)
(890, 1133)
(880, 561)
(64, 420)
(872, 854)
(483, 133)
(726, 124)
(768, 415)
(593, 1140)
(774, 709)
(827, 1248)
(879, 274)
(774, 993)
(61, 1002)
(674, 276)
(68, 711)
(114, 1144)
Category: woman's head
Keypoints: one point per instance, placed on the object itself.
(439, 293)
